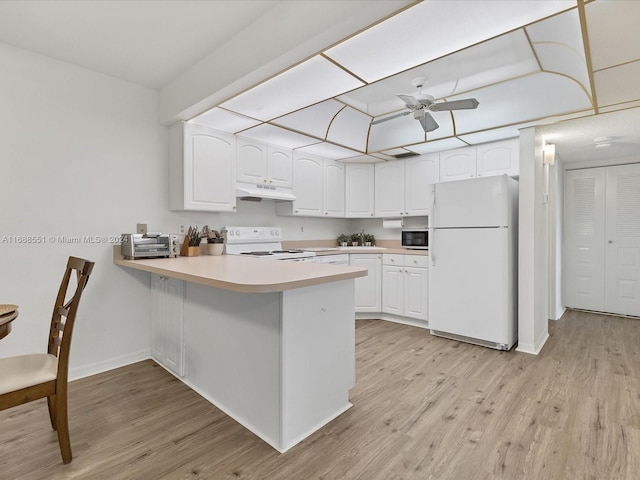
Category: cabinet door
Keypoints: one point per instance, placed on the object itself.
(167, 322)
(458, 164)
(418, 173)
(333, 188)
(416, 293)
(307, 185)
(392, 290)
(279, 166)
(251, 161)
(498, 158)
(209, 170)
(369, 288)
(389, 190)
(359, 190)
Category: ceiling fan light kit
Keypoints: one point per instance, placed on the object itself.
(421, 102)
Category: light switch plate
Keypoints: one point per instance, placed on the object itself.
(141, 228)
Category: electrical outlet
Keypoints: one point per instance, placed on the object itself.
(302, 229)
(141, 228)
(182, 229)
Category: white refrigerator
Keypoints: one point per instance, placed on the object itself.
(473, 241)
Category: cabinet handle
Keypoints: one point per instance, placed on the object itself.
(295, 211)
(265, 180)
(372, 214)
(270, 181)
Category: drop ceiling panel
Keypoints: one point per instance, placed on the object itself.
(328, 150)
(362, 159)
(313, 120)
(278, 136)
(350, 128)
(492, 135)
(614, 36)
(224, 120)
(431, 30)
(507, 56)
(311, 82)
(521, 100)
(395, 133)
(564, 60)
(559, 46)
(618, 85)
(437, 146)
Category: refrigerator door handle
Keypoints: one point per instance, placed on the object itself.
(432, 189)
(432, 244)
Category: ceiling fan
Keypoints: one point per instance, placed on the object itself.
(421, 102)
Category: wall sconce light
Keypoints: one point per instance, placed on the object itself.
(549, 154)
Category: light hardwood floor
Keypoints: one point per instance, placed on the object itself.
(424, 408)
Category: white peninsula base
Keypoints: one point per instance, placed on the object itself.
(281, 364)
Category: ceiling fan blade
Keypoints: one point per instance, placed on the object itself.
(464, 104)
(397, 115)
(409, 100)
(427, 122)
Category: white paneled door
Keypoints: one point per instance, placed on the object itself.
(622, 248)
(602, 239)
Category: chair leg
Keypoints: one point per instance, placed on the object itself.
(51, 403)
(62, 427)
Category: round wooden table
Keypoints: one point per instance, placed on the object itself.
(8, 313)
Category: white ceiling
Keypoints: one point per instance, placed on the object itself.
(525, 61)
(142, 41)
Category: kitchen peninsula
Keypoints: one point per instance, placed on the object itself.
(271, 343)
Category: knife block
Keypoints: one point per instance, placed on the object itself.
(187, 251)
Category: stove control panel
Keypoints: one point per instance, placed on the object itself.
(252, 234)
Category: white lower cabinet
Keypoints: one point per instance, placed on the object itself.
(405, 285)
(167, 322)
(368, 289)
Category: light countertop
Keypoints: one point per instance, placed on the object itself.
(242, 274)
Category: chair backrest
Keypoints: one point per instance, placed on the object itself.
(64, 312)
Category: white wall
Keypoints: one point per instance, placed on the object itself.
(83, 154)
(533, 247)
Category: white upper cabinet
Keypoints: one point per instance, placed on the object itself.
(484, 160)
(418, 173)
(359, 190)
(202, 169)
(458, 164)
(259, 163)
(401, 186)
(498, 158)
(279, 166)
(308, 171)
(333, 188)
(389, 189)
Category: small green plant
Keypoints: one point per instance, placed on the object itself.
(355, 239)
(369, 238)
(343, 238)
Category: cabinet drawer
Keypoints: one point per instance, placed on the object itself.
(392, 259)
(420, 261)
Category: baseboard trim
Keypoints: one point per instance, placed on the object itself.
(76, 373)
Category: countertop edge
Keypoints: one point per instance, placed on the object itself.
(303, 274)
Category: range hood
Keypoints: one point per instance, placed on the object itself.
(259, 192)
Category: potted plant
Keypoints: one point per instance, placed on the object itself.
(355, 239)
(343, 240)
(369, 239)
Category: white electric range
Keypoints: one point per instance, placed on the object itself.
(260, 242)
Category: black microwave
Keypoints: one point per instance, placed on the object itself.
(415, 238)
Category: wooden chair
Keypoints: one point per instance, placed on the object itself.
(26, 378)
